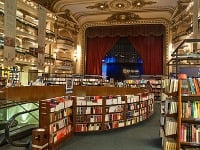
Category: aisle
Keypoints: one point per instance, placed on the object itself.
(144, 136)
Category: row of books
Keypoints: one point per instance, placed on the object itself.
(143, 81)
(145, 97)
(170, 126)
(143, 104)
(190, 86)
(115, 108)
(132, 98)
(87, 127)
(144, 117)
(171, 106)
(59, 103)
(190, 133)
(169, 144)
(143, 110)
(89, 119)
(57, 136)
(114, 100)
(115, 124)
(89, 110)
(150, 108)
(170, 85)
(191, 109)
(133, 106)
(114, 117)
(111, 100)
(89, 100)
(56, 126)
(131, 114)
(132, 120)
(57, 115)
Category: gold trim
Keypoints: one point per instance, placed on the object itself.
(141, 3)
(123, 17)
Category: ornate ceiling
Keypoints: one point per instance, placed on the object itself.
(84, 11)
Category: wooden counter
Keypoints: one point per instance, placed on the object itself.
(104, 91)
(32, 93)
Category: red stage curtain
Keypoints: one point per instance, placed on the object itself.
(150, 49)
(96, 50)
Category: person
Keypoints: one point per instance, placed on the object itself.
(149, 86)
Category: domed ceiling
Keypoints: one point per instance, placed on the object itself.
(84, 11)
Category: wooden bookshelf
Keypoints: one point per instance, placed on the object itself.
(55, 117)
(155, 81)
(189, 118)
(169, 114)
(114, 111)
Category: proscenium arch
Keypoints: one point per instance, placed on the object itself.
(166, 37)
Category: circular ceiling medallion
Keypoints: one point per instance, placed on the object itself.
(120, 4)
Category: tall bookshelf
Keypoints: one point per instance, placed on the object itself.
(180, 117)
(189, 114)
(169, 114)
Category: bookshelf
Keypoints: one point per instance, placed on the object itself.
(101, 113)
(89, 80)
(169, 114)
(115, 112)
(180, 115)
(156, 82)
(189, 114)
(88, 113)
(55, 117)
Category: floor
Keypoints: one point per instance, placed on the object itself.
(144, 136)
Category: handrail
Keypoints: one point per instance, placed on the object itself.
(8, 126)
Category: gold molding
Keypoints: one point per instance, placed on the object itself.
(99, 6)
(123, 17)
(141, 3)
(164, 22)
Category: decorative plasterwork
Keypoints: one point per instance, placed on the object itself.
(123, 17)
(120, 4)
(141, 3)
(100, 6)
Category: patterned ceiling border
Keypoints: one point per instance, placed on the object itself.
(121, 4)
(164, 22)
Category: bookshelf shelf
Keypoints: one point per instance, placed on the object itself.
(189, 114)
(190, 144)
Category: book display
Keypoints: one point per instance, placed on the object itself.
(189, 114)
(180, 115)
(169, 114)
(55, 78)
(88, 113)
(56, 118)
(115, 112)
(89, 80)
(98, 113)
(155, 81)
